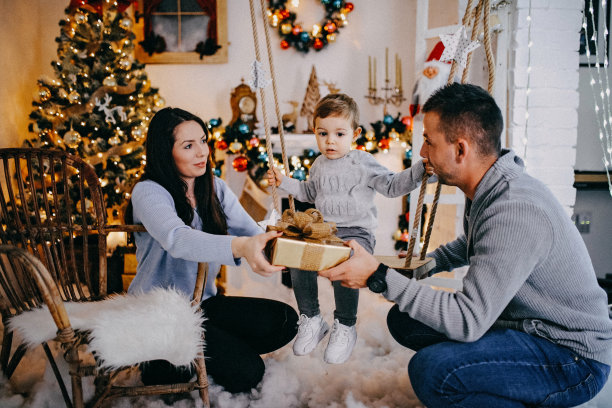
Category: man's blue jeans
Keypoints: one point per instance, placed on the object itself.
(504, 368)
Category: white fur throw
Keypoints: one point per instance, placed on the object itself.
(126, 329)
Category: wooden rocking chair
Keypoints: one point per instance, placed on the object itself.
(53, 230)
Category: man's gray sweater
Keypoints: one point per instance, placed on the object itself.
(528, 270)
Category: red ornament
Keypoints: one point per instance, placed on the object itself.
(361, 147)
(240, 163)
(221, 144)
(318, 44)
(405, 237)
(296, 30)
(330, 27)
(349, 6)
(407, 120)
(407, 216)
(285, 13)
(284, 44)
(97, 6)
(384, 143)
(254, 142)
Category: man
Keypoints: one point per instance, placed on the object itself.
(531, 325)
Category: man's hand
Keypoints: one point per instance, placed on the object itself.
(251, 249)
(354, 272)
(428, 167)
(275, 177)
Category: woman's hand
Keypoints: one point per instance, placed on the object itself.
(251, 249)
(275, 177)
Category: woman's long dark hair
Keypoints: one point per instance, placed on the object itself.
(161, 168)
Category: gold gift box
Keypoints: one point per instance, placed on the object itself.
(308, 256)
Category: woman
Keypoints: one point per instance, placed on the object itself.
(190, 217)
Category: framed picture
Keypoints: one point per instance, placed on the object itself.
(600, 20)
(181, 31)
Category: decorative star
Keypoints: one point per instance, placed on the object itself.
(259, 76)
(457, 46)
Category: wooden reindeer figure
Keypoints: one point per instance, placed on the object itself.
(290, 119)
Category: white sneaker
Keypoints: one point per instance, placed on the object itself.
(311, 331)
(341, 343)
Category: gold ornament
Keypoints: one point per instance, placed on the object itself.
(125, 64)
(159, 102)
(370, 135)
(72, 138)
(88, 205)
(263, 183)
(79, 17)
(73, 97)
(62, 93)
(235, 146)
(109, 81)
(146, 85)
(137, 133)
(286, 28)
(397, 235)
(44, 94)
(393, 134)
(331, 38)
(114, 140)
(125, 23)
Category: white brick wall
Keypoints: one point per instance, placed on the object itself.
(551, 129)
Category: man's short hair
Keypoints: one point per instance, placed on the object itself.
(337, 105)
(468, 110)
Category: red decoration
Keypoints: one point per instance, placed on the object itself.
(254, 141)
(361, 147)
(384, 143)
(405, 237)
(407, 216)
(330, 27)
(221, 145)
(349, 6)
(240, 163)
(407, 120)
(285, 13)
(284, 44)
(318, 44)
(97, 6)
(296, 30)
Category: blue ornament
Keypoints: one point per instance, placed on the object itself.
(263, 156)
(408, 154)
(310, 153)
(337, 4)
(304, 36)
(214, 122)
(299, 174)
(325, 2)
(244, 128)
(217, 171)
(388, 119)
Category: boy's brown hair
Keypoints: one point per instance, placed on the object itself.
(337, 105)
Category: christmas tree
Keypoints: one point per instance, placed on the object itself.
(311, 98)
(100, 102)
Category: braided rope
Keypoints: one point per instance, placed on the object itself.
(262, 96)
(417, 221)
(488, 49)
(484, 7)
(281, 130)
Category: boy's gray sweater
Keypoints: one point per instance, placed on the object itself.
(528, 270)
(343, 189)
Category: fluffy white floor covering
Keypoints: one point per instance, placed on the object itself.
(375, 376)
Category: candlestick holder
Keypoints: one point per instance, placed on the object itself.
(393, 95)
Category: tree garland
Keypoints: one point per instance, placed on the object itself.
(321, 34)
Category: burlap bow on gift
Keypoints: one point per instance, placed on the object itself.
(308, 225)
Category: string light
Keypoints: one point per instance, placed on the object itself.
(602, 107)
(528, 90)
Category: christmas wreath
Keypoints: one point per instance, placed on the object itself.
(293, 34)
